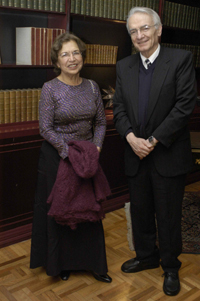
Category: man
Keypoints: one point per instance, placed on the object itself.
(153, 101)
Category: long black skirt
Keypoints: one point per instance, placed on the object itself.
(58, 247)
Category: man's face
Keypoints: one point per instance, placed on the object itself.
(144, 39)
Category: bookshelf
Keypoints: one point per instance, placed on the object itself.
(20, 142)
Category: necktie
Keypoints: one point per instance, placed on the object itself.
(148, 63)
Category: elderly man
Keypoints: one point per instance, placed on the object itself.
(153, 101)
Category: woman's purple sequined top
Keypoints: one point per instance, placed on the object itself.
(69, 113)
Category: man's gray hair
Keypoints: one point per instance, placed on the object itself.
(144, 10)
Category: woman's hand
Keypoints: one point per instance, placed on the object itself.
(99, 149)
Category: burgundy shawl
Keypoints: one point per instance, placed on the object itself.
(80, 186)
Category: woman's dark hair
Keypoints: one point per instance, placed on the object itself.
(57, 46)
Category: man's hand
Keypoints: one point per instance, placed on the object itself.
(140, 146)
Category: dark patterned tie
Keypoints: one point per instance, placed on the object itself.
(148, 63)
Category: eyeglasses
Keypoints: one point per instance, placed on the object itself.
(142, 29)
(67, 55)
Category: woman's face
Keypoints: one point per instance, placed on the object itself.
(70, 59)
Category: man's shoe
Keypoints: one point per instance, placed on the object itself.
(64, 275)
(171, 286)
(133, 265)
(103, 278)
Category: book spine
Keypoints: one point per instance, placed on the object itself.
(41, 4)
(29, 104)
(105, 9)
(72, 8)
(18, 105)
(109, 13)
(101, 7)
(10, 2)
(78, 7)
(30, 4)
(62, 6)
(6, 106)
(96, 8)
(46, 5)
(88, 7)
(16, 3)
(92, 8)
(35, 4)
(57, 5)
(34, 104)
(83, 7)
(4, 3)
(113, 14)
(38, 46)
(23, 105)
(121, 15)
(23, 3)
(12, 106)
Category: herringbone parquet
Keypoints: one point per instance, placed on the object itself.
(18, 282)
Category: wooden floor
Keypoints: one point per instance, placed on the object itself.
(18, 282)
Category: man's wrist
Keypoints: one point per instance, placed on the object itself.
(152, 140)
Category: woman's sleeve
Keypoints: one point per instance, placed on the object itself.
(46, 122)
(99, 122)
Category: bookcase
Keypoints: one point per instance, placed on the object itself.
(20, 142)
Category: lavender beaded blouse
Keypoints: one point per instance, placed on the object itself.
(69, 113)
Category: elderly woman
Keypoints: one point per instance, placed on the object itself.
(70, 109)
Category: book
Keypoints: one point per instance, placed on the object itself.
(34, 104)
(23, 105)
(38, 52)
(16, 3)
(6, 96)
(62, 6)
(46, 5)
(29, 104)
(12, 99)
(4, 3)
(25, 46)
(23, 3)
(18, 105)
(10, 2)
(35, 4)
(52, 5)
(33, 45)
(29, 4)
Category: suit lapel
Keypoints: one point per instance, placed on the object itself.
(132, 81)
(159, 76)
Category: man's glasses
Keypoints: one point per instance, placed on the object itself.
(67, 55)
(142, 29)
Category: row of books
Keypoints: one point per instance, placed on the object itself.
(101, 54)
(19, 105)
(193, 48)
(51, 5)
(33, 45)
(111, 9)
(182, 16)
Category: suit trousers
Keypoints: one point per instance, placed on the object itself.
(156, 210)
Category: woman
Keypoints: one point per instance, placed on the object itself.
(70, 109)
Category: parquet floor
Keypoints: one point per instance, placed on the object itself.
(18, 282)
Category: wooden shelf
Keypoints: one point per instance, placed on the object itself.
(19, 129)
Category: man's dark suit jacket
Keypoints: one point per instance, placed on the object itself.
(171, 102)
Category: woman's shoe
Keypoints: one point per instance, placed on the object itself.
(103, 278)
(64, 275)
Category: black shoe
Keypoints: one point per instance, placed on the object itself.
(171, 286)
(133, 265)
(103, 278)
(64, 275)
